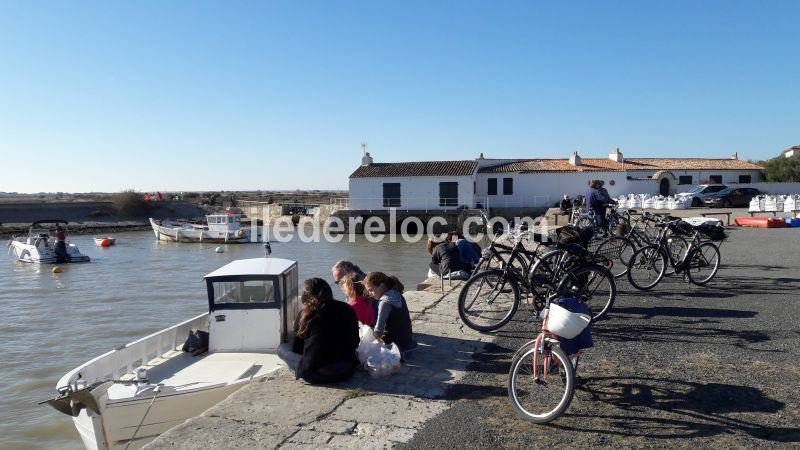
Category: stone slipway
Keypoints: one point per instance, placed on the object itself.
(281, 412)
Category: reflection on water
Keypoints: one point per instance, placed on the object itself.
(53, 322)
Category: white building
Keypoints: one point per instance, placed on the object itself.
(528, 183)
(792, 151)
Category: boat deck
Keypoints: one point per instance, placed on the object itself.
(182, 371)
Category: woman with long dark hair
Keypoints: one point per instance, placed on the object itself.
(326, 335)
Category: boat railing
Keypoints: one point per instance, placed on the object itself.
(124, 360)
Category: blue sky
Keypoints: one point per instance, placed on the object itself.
(154, 95)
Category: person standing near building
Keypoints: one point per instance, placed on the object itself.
(597, 200)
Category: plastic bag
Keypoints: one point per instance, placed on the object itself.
(379, 360)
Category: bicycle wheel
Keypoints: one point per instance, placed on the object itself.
(488, 300)
(618, 250)
(544, 399)
(591, 284)
(545, 272)
(646, 267)
(703, 263)
(518, 263)
(677, 247)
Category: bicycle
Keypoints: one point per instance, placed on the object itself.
(699, 264)
(541, 380)
(489, 299)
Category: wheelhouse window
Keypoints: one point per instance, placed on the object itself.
(391, 194)
(448, 193)
(508, 186)
(245, 291)
(715, 179)
(685, 179)
(491, 187)
(745, 179)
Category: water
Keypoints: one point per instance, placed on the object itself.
(51, 323)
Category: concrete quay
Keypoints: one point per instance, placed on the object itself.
(363, 412)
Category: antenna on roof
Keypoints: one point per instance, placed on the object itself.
(364, 148)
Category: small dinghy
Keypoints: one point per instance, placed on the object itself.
(129, 396)
(46, 246)
(105, 241)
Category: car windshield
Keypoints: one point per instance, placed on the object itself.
(724, 192)
(696, 189)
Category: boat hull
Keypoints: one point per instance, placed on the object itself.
(38, 255)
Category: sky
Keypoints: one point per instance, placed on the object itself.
(196, 95)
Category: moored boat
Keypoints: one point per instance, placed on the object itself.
(105, 241)
(220, 228)
(127, 397)
(43, 247)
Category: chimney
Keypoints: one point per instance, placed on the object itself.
(735, 155)
(574, 159)
(366, 159)
(481, 156)
(616, 156)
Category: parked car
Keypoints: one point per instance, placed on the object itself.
(732, 197)
(699, 193)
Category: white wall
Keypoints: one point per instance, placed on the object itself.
(417, 193)
(543, 189)
(728, 176)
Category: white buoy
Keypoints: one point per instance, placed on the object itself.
(219, 250)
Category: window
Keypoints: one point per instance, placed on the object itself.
(712, 189)
(508, 186)
(745, 179)
(448, 193)
(685, 179)
(391, 194)
(492, 187)
(250, 291)
(715, 179)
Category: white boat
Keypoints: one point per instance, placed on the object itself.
(221, 228)
(130, 395)
(42, 247)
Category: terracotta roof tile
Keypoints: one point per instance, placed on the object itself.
(607, 165)
(416, 169)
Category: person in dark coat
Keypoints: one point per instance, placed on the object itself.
(445, 257)
(597, 200)
(326, 335)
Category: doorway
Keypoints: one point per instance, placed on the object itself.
(663, 187)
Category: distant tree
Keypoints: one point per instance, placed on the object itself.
(130, 203)
(782, 169)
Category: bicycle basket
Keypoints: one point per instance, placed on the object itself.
(578, 312)
(570, 234)
(681, 228)
(713, 232)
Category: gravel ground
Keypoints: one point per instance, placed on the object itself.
(683, 366)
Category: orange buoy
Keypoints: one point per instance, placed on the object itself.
(105, 243)
(56, 269)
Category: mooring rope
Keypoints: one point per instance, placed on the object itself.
(156, 390)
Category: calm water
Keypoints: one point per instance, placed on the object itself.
(53, 322)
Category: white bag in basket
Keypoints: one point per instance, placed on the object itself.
(379, 360)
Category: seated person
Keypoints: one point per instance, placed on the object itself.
(354, 291)
(445, 257)
(393, 323)
(326, 335)
(466, 250)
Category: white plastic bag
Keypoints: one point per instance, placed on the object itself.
(379, 360)
(757, 204)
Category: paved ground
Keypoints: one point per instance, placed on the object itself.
(683, 366)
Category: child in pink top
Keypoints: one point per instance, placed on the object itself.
(354, 290)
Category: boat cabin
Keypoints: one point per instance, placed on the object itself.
(252, 305)
(224, 222)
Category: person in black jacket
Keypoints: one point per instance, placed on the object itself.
(326, 336)
(445, 257)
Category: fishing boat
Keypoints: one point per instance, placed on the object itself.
(127, 397)
(220, 228)
(105, 241)
(43, 247)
